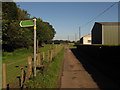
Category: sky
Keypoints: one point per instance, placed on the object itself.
(67, 17)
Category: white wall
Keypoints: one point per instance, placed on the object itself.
(86, 40)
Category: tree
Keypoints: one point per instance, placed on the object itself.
(15, 36)
(23, 14)
(0, 25)
(45, 31)
(9, 11)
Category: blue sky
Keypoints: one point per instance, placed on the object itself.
(66, 17)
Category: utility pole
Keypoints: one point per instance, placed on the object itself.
(79, 33)
(68, 37)
(75, 37)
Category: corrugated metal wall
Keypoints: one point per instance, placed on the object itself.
(97, 34)
(119, 34)
(110, 34)
(119, 23)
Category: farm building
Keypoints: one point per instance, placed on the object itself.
(86, 39)
(106, 33)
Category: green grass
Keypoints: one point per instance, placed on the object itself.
(12, 59)
(49, 77)
(18, 58)
(72, 46)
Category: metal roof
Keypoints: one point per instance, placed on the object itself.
(108, 23)
(89, 35)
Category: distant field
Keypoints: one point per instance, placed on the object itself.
(19, 58)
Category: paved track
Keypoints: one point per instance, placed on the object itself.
(74, 74)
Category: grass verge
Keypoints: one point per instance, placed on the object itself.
(48, 78)
(18, 58)
(72, 45)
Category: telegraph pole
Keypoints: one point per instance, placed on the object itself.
(68, 37)
(75, 37)
(79, 33)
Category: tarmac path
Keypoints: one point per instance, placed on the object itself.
(74, 75)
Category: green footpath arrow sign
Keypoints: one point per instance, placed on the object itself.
(27, 23)
(30, 23)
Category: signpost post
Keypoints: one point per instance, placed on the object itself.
(30, 23)
(34, 47)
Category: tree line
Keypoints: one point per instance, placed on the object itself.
(14, 36)
(0, 24)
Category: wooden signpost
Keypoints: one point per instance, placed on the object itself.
(34, 47)
(27, 23)
(37, 46)
(30, 23)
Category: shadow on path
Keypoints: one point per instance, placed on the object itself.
(102, 81)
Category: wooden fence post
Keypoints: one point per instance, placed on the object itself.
(43, 56)
(22, 77)
(4, 76)
(38, 60)
(29, 66)
(50, 55)
(56, 49)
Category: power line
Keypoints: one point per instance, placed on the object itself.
(100, 14)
